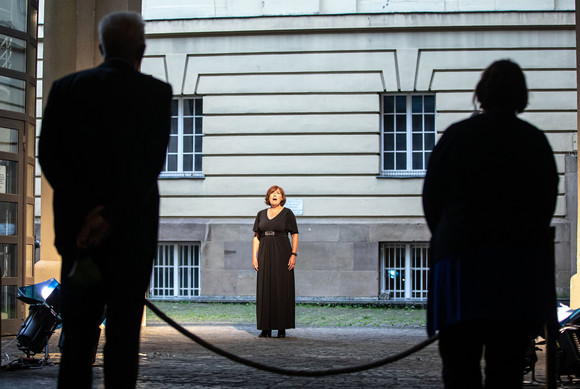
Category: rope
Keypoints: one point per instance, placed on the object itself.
(283, 371)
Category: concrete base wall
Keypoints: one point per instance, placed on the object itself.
(336, 258)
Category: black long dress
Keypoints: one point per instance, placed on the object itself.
(275, 288)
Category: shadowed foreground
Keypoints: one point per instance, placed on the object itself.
(169, 360)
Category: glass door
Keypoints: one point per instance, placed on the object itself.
(18, 56)
(14, 271)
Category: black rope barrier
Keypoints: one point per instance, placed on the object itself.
(290, 372)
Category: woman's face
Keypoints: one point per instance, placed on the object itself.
(275, 198)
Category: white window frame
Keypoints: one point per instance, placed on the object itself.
(409, 171)
(178, 135)
(172, 276)
(409, 270)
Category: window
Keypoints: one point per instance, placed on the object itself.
(8, 302)
(408, 134)
(18, 92)
(176, 271)
(405, 270)
(8, 260)
(13, 14)
(184, 152)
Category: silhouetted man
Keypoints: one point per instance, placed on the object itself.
(103, 142)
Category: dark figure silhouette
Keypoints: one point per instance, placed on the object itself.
(489, 195)
(103, 142)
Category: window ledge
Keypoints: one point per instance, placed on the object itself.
(403, 174)
(173, 176)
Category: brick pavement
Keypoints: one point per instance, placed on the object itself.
(169, 360)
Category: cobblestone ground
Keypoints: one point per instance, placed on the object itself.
(169, 360)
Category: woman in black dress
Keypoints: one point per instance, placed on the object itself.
(274, 259)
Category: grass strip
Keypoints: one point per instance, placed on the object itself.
(312, 315)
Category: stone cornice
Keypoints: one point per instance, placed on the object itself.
(519, 20)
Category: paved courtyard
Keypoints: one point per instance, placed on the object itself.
(170, 360)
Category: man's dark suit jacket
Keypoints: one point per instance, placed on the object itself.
(103, 142)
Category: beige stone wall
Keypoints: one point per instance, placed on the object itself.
(337, 258)
(302, 108)
(295, 101)
(162, 9)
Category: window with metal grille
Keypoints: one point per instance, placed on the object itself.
(176, 271)
(405, 270)
(408, 134)
(184, 151)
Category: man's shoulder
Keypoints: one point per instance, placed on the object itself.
(101, 79)
(155, 83)
(76, 76)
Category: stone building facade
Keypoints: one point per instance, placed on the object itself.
(339, 102)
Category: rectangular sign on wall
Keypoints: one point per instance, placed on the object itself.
(295, 205)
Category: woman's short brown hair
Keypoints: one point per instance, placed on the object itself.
(273, 189)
